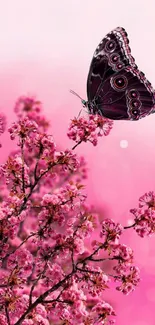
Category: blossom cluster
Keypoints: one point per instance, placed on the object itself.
(144, 216)
(83, 130)
(2, 124)
(51, 271)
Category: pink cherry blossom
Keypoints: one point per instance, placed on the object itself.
(144, 221)
(83, 130)
(147, 200)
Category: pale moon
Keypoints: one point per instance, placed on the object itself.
(123, 144)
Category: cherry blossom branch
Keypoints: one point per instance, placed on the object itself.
(42, 297)
(51, 265)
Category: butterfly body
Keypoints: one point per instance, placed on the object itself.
(116, 88)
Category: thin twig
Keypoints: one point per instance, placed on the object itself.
(127, 227)
(76, 144)
(23, 169)
(23, 242)
(7, 315)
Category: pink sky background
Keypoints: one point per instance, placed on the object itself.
(45, 49)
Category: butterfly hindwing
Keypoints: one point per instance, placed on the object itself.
(115, 87)
(125, 96)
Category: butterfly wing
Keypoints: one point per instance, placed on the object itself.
(115, 87)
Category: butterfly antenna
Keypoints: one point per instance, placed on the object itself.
(74, 93)
(79, 114)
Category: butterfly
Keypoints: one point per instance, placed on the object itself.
(116, 89)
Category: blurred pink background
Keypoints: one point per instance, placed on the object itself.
(45, 49)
